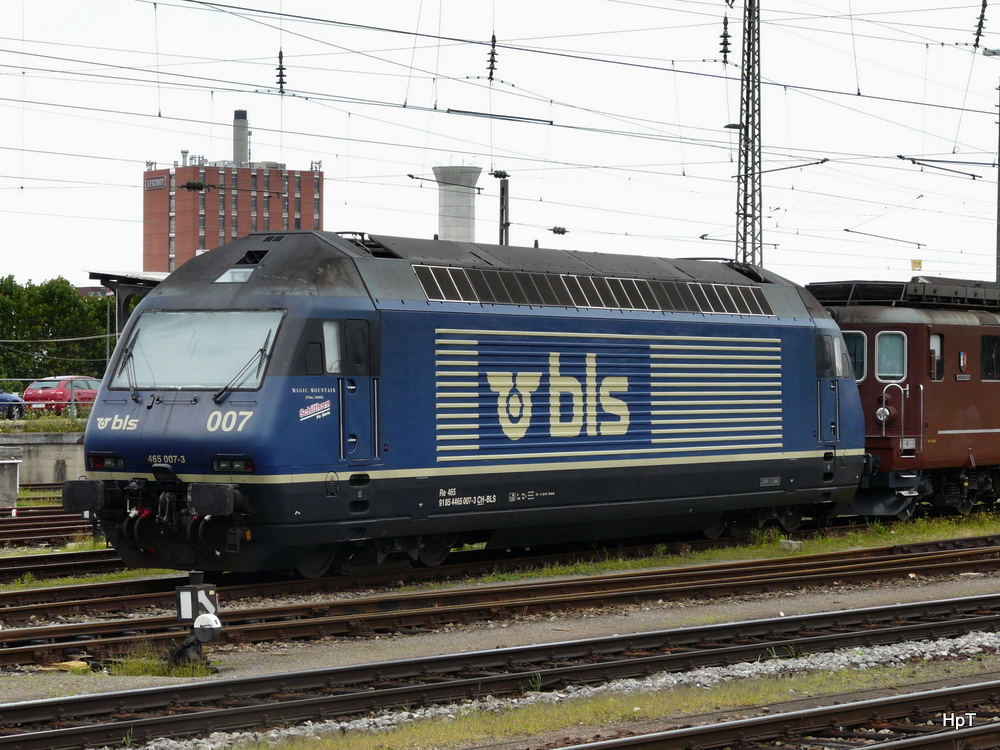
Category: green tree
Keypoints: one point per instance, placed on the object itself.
(13, 356)
(49, 329)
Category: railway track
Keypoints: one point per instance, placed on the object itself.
(53, 487)
(913, 721)
(471, 562)
(59, 564)
(41, 525)
(38, 531)
(396, 612)
(49, 492)
(344, 692)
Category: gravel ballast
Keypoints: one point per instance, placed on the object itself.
(240, 661)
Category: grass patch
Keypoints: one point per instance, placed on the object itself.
(39, 420)
(85, 543)
(765, 544)
(49, 424)
(81, 542)
(585, 715)
(28, 580)
(30, 497)
(36, 499)
(140, 660)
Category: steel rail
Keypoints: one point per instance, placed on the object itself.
(100, 597)
(36, 526)
(59, 564)
(342, 692)
(793, 728)
(35, 536)
(394, 612)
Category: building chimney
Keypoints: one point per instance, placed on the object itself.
(184, 157)
(241, 138)
(457, 202)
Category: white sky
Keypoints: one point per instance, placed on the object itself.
(637, 159)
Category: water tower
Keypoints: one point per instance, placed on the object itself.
(457, 202)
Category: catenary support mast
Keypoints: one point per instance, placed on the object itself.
(749, 240)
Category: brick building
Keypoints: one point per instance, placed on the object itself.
(198, 205)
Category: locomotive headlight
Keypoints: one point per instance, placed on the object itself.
(107, 463)
(235, 465)
(882, 414)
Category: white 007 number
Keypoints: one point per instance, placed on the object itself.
(228, 421)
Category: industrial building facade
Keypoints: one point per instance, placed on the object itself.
(198, 205)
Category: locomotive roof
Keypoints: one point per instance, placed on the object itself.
(299, 253)
(476, 254)
(920, 291)
(398, 270)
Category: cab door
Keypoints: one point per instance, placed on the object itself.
(358, 390)
(830, 364)
(897, 414)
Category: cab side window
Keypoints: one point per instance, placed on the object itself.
(937, 357)
(890, 356)
(831, 359)
(331, 347)
(989, 362)
(857, 344)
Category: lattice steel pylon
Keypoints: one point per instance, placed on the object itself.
(749, 238)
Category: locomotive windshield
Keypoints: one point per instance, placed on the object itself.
(197, 350)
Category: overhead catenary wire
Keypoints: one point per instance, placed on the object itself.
(551, 165)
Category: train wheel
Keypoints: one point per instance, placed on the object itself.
(906, 513)
(715, 530)
(315, 564)
(434, 550)
(965, 507)
(744, 524)
(790, 518)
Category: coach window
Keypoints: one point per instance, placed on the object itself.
(890, 357)
(937, 357)
(857, 343)
(331, 345)
(989, 361)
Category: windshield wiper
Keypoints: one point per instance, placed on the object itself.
(128, 367)
(259, 358)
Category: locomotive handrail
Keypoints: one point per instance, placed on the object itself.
(835, 424)
(375, 409)
(920, 433)
(903, 393)
(340, 409)
(836, 411)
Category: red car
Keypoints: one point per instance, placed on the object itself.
(56, 393)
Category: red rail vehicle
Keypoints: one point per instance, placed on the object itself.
(926, 355)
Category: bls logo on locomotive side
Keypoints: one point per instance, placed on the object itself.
(117, 423)
(587, 401)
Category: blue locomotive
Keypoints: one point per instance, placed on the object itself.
(297, 400)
